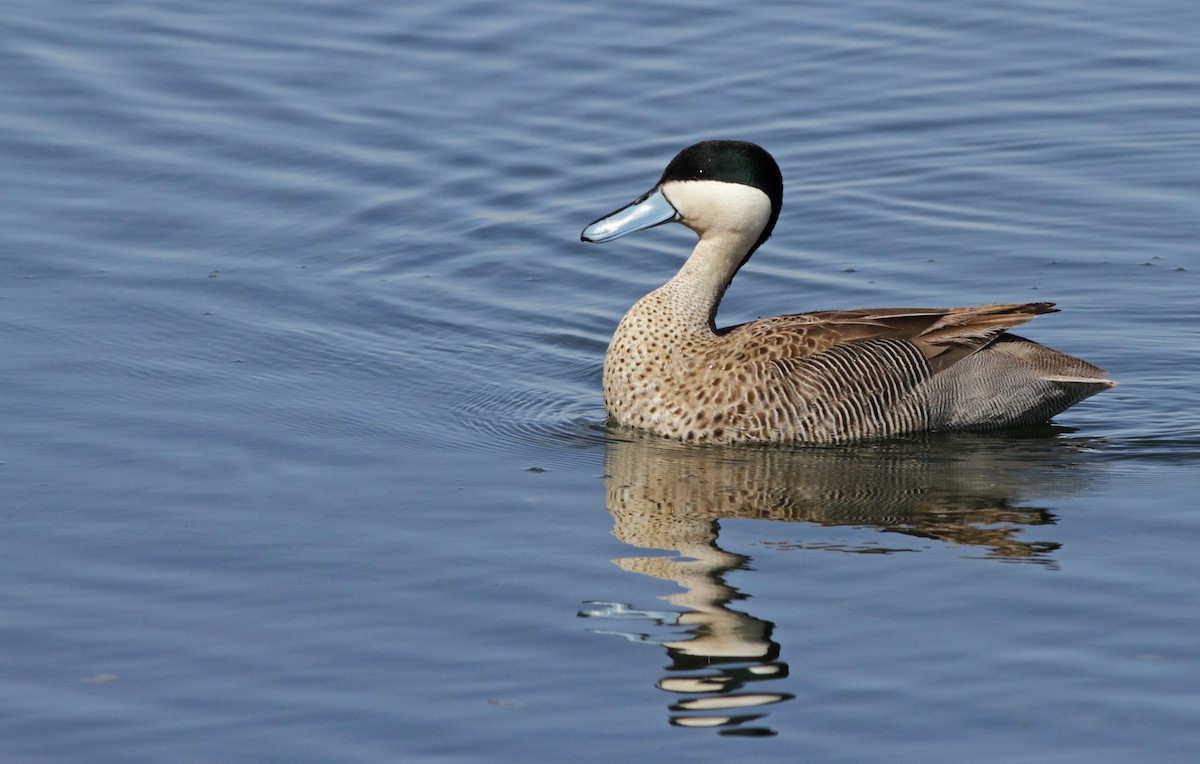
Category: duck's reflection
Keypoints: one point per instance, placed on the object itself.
(961, 491)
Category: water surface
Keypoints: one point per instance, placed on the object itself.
(302, 448)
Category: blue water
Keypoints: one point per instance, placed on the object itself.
(302, 449)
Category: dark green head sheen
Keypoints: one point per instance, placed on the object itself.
(731, 162)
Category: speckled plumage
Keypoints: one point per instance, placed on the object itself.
(810, 377)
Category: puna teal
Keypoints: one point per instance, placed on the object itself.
(819, 377)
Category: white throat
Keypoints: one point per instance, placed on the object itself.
(714, 208)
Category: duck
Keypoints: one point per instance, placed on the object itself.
(831, 376)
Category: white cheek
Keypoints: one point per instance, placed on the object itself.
(705, 205)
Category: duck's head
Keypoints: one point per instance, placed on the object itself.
(712, 187)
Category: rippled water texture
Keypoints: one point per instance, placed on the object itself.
(302, 450)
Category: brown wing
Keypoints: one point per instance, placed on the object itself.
(943, 335)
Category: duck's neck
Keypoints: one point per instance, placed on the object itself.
(693, 295)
